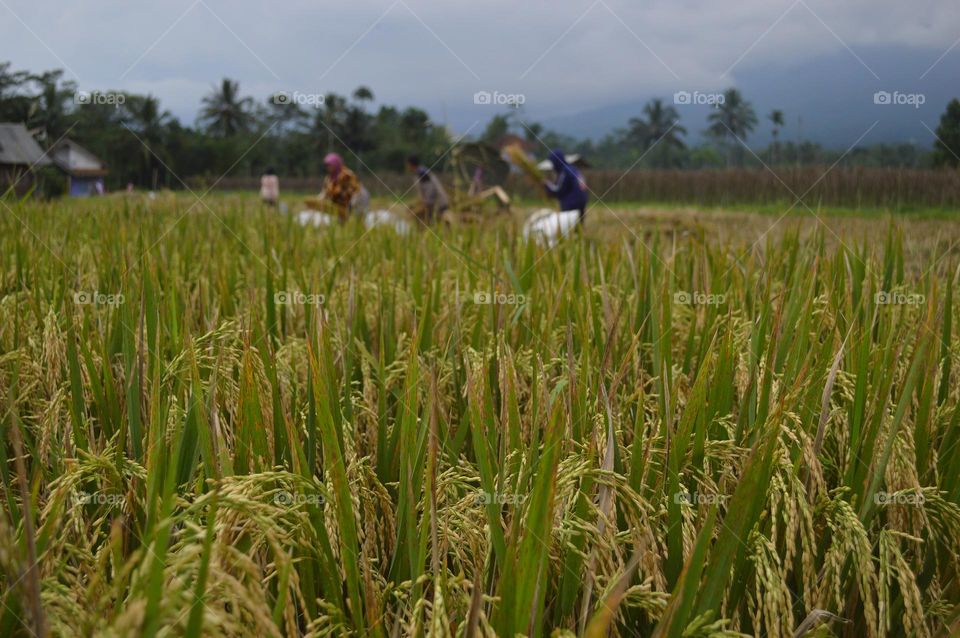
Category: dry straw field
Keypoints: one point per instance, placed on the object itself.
(218, 423)
(897, 189)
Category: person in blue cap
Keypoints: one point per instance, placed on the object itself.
(570, 189)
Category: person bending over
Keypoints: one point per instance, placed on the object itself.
(570, 189)
(340, 186)
(433, 198)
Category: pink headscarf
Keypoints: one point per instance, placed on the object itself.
(334, 160)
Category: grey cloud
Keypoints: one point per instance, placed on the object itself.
(427, 51)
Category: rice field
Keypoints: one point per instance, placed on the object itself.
(218, 423)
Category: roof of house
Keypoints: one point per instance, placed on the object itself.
(75, 160)
(18, 147)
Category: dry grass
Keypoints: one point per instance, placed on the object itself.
(520, 159)
(819, 186)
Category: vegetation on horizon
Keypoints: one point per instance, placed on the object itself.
(236, 135)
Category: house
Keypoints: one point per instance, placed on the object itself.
(20, 156)
(84, 170)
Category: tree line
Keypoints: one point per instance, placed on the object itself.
(656, 139)
(235, 134)
(144, 144)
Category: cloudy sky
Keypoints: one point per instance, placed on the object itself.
(563, 56)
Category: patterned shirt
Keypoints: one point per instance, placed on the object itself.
(340, 190)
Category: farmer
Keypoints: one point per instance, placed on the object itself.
(433, 198)
(269, 187)
(341, 188)
(570, 189)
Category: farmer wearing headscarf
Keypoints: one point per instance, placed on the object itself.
(340, 187)
(570, 189)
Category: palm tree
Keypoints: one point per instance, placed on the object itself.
(497, 127)
(284, 115)
(733, 120)
(10, 79)
(534, 132)
(146, 117)
(49, 110)
(776, 118)
(660, 127)
(415, 126)
(947, 146)
(14, 104)
(148, 121)
(363, 95)
(357, 133)
(225, 112)
(330, 123)
(355, 122)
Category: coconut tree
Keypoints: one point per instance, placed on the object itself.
(356, 125)
(284, 116)
(49, 111)
(357, 131)
(732, 122)
(658, 128)
(144, 116)
(225, 112)
(776, 118)
(14, 103)
(947, 147)
(363, 95)
(534, 132)
(330, 123)
(415, 127)
(497, 127)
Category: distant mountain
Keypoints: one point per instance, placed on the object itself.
(833, 95)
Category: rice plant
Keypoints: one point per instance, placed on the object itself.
(218, 423)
